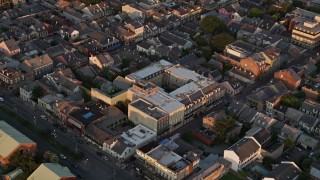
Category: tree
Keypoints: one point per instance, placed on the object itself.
(200, 40)
(256, 13)
(314, 9)
(50, 157)
(220, 41)
(187, 136)
(221, 126)
(54, 43)
(36, 93)
(105, 73)
(212, 24)
(268, 162)
(85, 94)
(300, 95)
(291, 101)
(24, 161)
(88, 2)
(125, 63)
(206, 52)
(288, 143)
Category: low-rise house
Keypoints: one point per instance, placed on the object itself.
(267, 97)
(315, 171)
(232, 87)
(39, 66)
(263, 120)
(288, 77)
(26, 91)
(166, 160)
(288, 132)
(293, 116)
(10, 47)
(12, 78)
(124, 146)
(242, 153)
(240, 49)
(308, 123)
(211, 119)
(242, 75)
(52, 171)
(104, 41)
(212, 167)
(285, 170)
(46, 102)
(102, 60)
(74, 15)
(311, 107)
(247, 115)
(235, 108)
(12, 141)
(67, 32)
(308, 142)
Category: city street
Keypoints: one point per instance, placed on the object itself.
(93, 167)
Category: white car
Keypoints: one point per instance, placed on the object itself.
(62, 156)
(1, 99)
(44, 117)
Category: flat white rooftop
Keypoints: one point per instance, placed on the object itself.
(151, 69)
(187, 74)
(139, 135)
(182, 91)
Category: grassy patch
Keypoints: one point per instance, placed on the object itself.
(51, 141)
(230, 176)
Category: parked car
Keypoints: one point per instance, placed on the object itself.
(62, 156)
(105, 158)
(1, 99)
(299, 149)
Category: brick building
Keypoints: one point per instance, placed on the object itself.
(288, 77)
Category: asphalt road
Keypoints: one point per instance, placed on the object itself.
(92, 168)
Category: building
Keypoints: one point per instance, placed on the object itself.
(242, 153)
(52, 171)
(164, 159)
(307, 142)
(13, 78)
(112, 92)
(288, 77)
(103, 60)
(9, 47)
(173, 91)
(11, 141)
(81, 118)
(315, 171)
(267, 97)
(305, 28)
(39, 66)
(285, 170)
(124, 146)
(211, 119)
(133, 11)
(212, 167)
(5, 4)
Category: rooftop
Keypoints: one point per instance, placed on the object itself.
(138, 135)
(10, 139)
(149, 70)
(149, 109)
(245, 147)
(51, 171)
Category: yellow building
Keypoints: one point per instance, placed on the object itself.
(173, 89)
